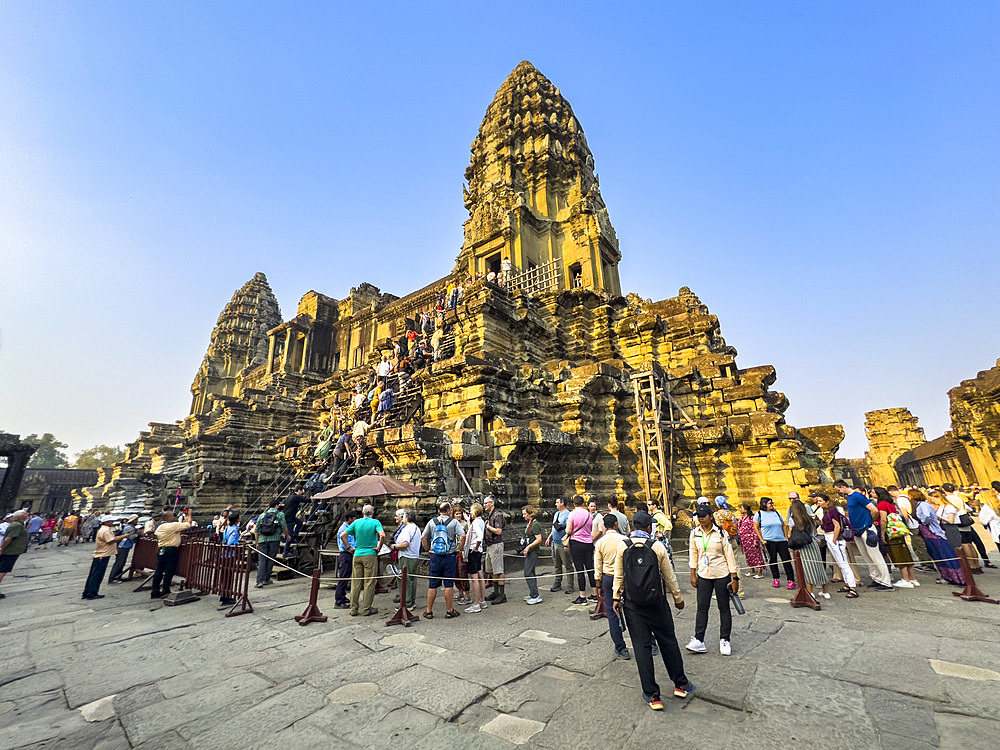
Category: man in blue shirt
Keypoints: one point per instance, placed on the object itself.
(861, 511)
(35, 528)
(121, 556)
(345, 561)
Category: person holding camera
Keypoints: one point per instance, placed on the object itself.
(168, 540)
(560, 555)
(531, 542)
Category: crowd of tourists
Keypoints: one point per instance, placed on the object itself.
(597, 554)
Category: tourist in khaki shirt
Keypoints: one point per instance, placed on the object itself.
(168, 534)
(168, 539)
(713, 571)
(605, 554)
(107, 545)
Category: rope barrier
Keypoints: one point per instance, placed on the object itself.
(570, 573)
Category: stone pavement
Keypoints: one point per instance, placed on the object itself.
(910, 669)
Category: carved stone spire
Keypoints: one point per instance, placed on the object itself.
(532, 193)
(239, 341)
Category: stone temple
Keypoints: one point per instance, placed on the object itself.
(548, 379)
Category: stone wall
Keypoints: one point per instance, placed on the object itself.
(975, 422)
(891, 433)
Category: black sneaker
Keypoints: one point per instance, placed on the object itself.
(880, 587)
(491, 597)
(556, 587)
(500, 600)
(622, 653)
(592, 598)
(579, 600)
(874, 584)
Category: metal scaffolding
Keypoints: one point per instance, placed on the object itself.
(652, 393)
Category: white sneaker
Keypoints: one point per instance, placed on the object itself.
(534, 600)
(903, 584)
(724, 648)
(824, 594)
(473, 609)
(527, 597)
(695, 646)
(915, 583)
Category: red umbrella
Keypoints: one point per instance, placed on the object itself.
(372, 484)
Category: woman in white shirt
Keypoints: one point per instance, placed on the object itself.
(989, 514)
(949, 517)
(474, 559)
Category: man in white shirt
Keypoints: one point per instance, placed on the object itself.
(383, 369)
(407, 544)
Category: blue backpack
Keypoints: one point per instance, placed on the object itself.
(439, 539)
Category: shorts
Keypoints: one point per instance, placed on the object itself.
(442, 567)
(7, 563)
(474, 563)
(494, 558)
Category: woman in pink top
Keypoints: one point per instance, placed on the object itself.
(581, 547)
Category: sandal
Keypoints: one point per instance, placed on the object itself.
(451, 613)
(851, 594)
(428, 615)
(844, 589)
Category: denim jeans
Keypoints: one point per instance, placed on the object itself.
(614, 624)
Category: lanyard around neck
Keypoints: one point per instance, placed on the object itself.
(705, 540)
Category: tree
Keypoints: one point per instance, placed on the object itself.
(49, 454)
(99, 457)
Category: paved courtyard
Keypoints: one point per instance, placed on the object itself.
(909, 669)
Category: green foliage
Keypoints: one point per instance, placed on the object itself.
(49, 454)
(99, 457)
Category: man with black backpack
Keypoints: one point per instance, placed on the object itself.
(642, 575)
(271, 526)
(442, 537)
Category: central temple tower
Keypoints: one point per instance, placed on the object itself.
(532, 195)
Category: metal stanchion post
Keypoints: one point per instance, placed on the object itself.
(971, 592)
(600, 610)
(312, 613)
(403, 616)
(802, 597)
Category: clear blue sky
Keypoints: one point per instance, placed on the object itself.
(824, 176)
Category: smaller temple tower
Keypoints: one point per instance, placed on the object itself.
(891, 433)
(534, 204)
(239, 341)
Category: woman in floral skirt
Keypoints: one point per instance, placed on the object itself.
(749, 542)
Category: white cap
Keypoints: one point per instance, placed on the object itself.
(702, 500)
(105, 519)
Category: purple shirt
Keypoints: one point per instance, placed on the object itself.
(579, 525)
